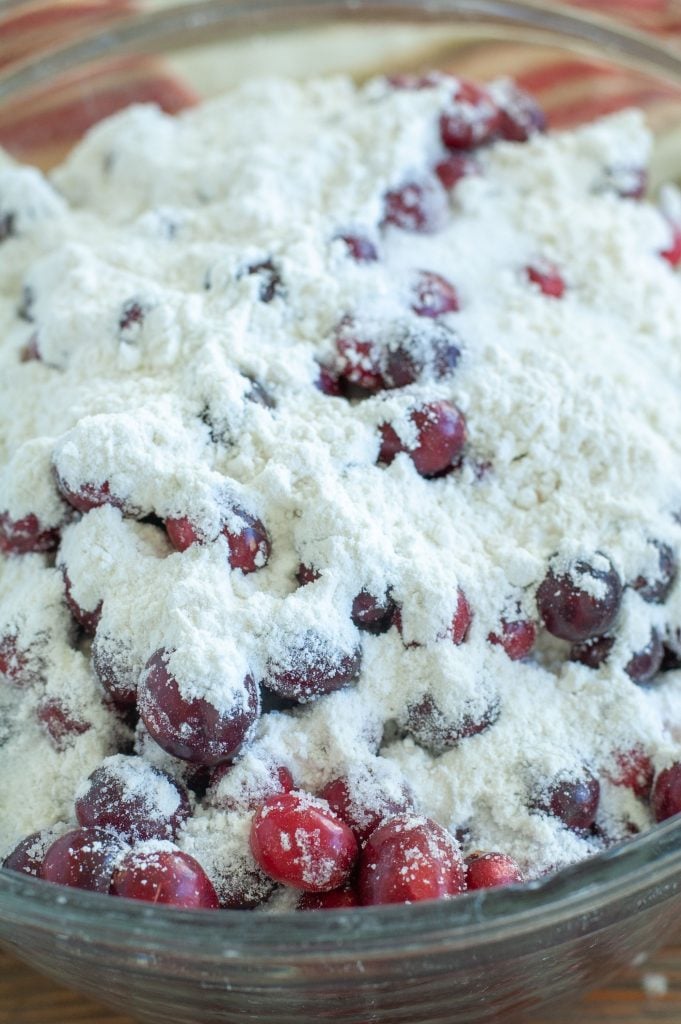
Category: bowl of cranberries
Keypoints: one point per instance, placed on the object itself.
(340, 515)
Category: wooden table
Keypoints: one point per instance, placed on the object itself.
(636, 997)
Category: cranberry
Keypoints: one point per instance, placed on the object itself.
(547, 277)
(83, 858)
(634, 770)
(413, 356)
(461, 620)
(164, 875)
(360, 248)
(454, 167)
(88, 620)
(657, 589)
(491, 870)
(373, 614)
(307, 574)
(28, 856)
(361, 816)
(116, 669)
(134, 798)
(296, 840)
(60, 723)
(573, 612)
(328, 383)
(416, 206)
(521, 115)
(573, 800)
(645, 664)
(247, 539)
(673, 251)
(408, 859)
(312, 667)
(592, 653)
(271, 285)
(471, 119)
(26, 535)
(132, 317)
(437, 732)
(193, 729)
(666, 799)
(517, 638)
(433, 295)
(336, 899)
(89, 495)
(360, 359)
(14, 664)
(441, 436)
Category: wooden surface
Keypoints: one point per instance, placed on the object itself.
(636, 997)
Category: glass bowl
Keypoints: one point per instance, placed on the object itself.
(485, 956)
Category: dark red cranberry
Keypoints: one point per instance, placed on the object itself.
(88, 495)
(247, 539)
(132, 316)
(672, 254)
(657, 589)
(28, 856)
(26, 535)
(645, 665)
(88, 620)
(517, 638)
(409, 859)
(413, 356)
(116, 669)
(454, 167)
(441, 436)
(14, 663)
(307, 574)
(491, 870)
(296, 840)
(83, 858)
(462, 618)
(416, 206)
(311, 668)
(373, 614)
(182, 533)
(360, 248)
(634, 770)
(575, 612)
(328, 383)
(471, 119)
(548, 278)
(592, 653)
(666, 799)
(134, 798)
(573, 800)
(193, 729)
(336, 899)
(432, 729)
(360, 357)
(60, 722)
(521, 116)
(164, 875)
(361, 816)
(433, 295)
(271, 284)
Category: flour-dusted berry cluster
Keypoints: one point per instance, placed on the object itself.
(340, 500)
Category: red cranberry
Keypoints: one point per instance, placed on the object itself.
(28, 856)
(360, 358)
(373, 614)
(517, 638)
(491, 870)
(432, 352)
(644, 665)
(569, 610)
(193, 729)
(83, 858)
(88, 620)
(666, 798)
(441, 436)
(336, 899)
(574, 801)
(471, 119)
(521, 115)
(657, 590)
(416, 206)
(433, 295)
(134, 798)
(60, 722)
(296, 840)
(634, 770)
(548, 278)
(307, 574)
(14, 664)
(435, 731)
(247, 539)
(116, 669)
(461, 620)
(673, 251)
(26, 535)
(360, 248)
(328, 383)
(312, 668)
(454, 167)
(592, 653)
(363, 818)
(408, 859)
(271, 284)
(88, 496)
(164, 875)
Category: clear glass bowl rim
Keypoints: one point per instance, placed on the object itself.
(648, 862)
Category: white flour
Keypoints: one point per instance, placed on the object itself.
(572, 403)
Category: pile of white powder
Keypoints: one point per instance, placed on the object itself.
(572, 409)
